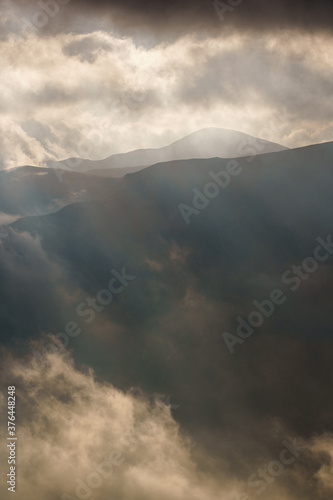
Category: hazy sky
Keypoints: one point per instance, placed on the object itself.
(142, 74)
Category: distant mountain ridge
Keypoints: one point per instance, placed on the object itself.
(33, 191)
(206, 143)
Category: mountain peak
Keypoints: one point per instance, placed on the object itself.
(208, 142)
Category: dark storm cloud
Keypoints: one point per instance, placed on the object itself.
(195, 13)
(168, 19)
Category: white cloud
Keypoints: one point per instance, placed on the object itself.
(79, 438)
(69, 423)
(324, 444)
(68, 89)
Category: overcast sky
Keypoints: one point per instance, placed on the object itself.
(125, 75)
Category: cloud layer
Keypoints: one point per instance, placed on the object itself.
(86, 439)
(79, 439)
(172, 19)
(92, 95)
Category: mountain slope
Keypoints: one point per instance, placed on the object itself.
(182, 287)
(36, 191)
(205, 143)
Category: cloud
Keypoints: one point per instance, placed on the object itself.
(97, 94)
(7, 218)
(83, 438)
(324, 445)
(152, 21)
(70, 423)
